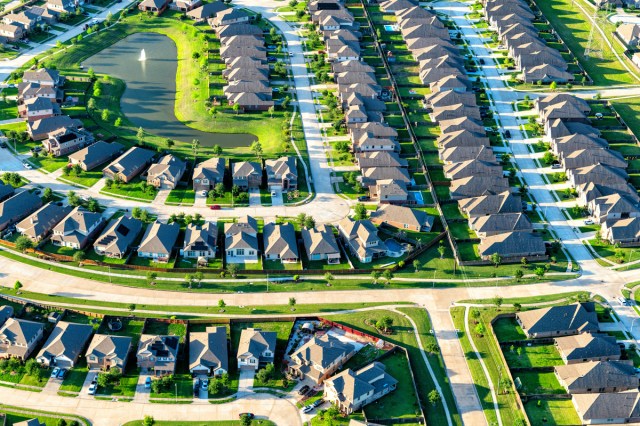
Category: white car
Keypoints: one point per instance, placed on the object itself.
(92, 388)
(273, 193)
(588, 222)
(203, 193)
(307, 409)
(26, 165)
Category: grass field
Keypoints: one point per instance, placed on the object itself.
(534, 356)
(553, 412)
(508, 329)
(15, 415)
(534, 382)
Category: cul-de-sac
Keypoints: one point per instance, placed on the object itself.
(319, 212)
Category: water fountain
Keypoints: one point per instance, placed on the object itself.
(143, 55)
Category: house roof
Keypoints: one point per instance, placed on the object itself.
(459, 154)
(283, 166)
(18, 206)
(601, 406)
(504, 202)
(587, 345)
(391, 188)
(96, 153)
(512, 244)
(319, 240)
(49, 124)
(372, 174)
(169, 166)
(207, 10)
(254, 341)
(504, 222)
(6, 312)
(241, 240)
(323, 351)
(562, 98)
(212, 169)
(574, 317)
(361, 236)
(6, 191)
(412, 217)
(159, 238)
(280, 240)
(119, 235)
(110, 347)
(629, 32)
(395, 5)
(472, 168)
(31, 422)
(461, 123)
(160, 347)
(351, 385)
(131, 162)
(244, 169)
(209, 348)
(201, 237)
(622, 229)
(20, 332)
(474, 186)
(380, 159)
(590, 157)
(450, 97)
(77, 224)
(242, 224)
(43, 75)
(42, 220)
(66, 340)
(463, 137)
(546, 72)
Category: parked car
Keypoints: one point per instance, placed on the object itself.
(364, 198)
(556, 166)
(271, 58)
(3, 145)
(204, 193)
(303, 390)
(311, 392)
(215, 207)
(318, 402)
(147, 383)
(290, 53)
(92, 388)
(276, 89)
(481, 61)
(588, 222)
(26, 165)
(307, 409)
(507, 134)
(273, 193)
(204, 384)
(62, 373)
(54, 372)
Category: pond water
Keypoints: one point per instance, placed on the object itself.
(149, 98)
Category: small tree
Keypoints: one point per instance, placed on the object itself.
(480, 329)
(553, 86)
(328, 276)
(388, 275)
(151, 277)
(475, 314)
(23, 243)
(292, 302)
(32, 368)
(256, 148)
(148, 421)
(78, 256)
(539, 271)
(519, 274)
(217, 150)
(375, 275)
(232, 269)
(517, 306)
(434, 397)
(496, 259)
(271, 111)
(17, 285)
(505, 385)
(360, 212)
(245, 420)
(47, 194)
(441, 249)
(497, 301)
(221, 303)
(417, 265)
(140, 135)
(384, 323)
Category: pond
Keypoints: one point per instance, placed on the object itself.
(149, 98)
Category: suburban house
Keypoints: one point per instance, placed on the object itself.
(206, 11)
(77, 229)
(402, 218)
(491, 204)
(230, 16)
(391, 191)
(30, 422)
(588, 347)
(40, 129)
(241, 240)
(154, 6)
(614, 206)
(65, 344)
(320, 244)
(61, 6)
(185, 5)
(208, 174)
(166, 173)
(38, 108)
(129, 165)
(494, 224)
(159, 241)
(6, 191)
(282, 174)
(351, 390)
(513, 246)
(629, 33)
(44, 77)
(200, 241)
(559, 320)
(11, 32)
(17, 207)
(320, 357)
(41, 222)
(280, 243)
(107, 352)
(598, 377)
(18, 338)
(256, 348)
(66, 140)
(608, 408)
(246, 174)
(208, 355)
(158, 354)
(118, 236)
(622, 231)
(95, 154)
(362, 240)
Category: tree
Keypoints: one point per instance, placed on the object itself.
(475, 314)
(91, 104)
(140, 135)
(118, 122)
(245, 420)
(256, 148)
(47, 194)
(218, 190)
(480, 329)
(105, 115)
(360, 212)
(300, 14)
(497, 301)
(553, 86)
(93, 205)
(62, 422)
(442, 249)
(148, 421)
(517, 306)
(496, 259)
(417, 265)
(135, 212)
(78, 256)
(215, 387)
(388, 275)
(548, 157)
(384, 323)
(309, 222)
(23, 243)
(91, 73)
(32, 367)
(151, 277)
(221, 303)
(375, 275)
(505, 384)
(328, 276)
(271, 111)
(539, 271)
(519, 274)
(434, 397)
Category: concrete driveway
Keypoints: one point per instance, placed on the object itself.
(277, 198)
(84, 392)
(245, 384)
(142, 393)
(254, 197)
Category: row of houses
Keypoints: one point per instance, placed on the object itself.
(603, 388)
(537, 62)
(478, 184)
(17, 25)
(597, 173)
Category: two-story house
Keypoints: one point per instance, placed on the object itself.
(256, 348)
(241, 240)
(320, 357)
(282, 174)
(18, 338)
(362, 240)
(246, 174)
(208, 174)
(66, 140)
(77, 229)
(158, 354)
(200, 241)
(107, 352)
(208, 352)
(65, 344)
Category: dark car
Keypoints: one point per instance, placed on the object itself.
(364, 198)
(215, 207)
(481, 61)
(3, 145)
(62, 373)
(507, 133)
(303, 390)
(311, 392)
(318, 403)
(271, 58)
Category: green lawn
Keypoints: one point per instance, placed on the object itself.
(76, 376)
(608, 251)
(131, 190)
(534, 382)
(260, 422)
(629, 110)
(8, 110)
(126, 387)
(553, 412)
(163, 328)
(87, 179)
(403, 401)
(184, 389)
(534, 356)
(508, 329)
(16, 415)
(182, 196)
(47, 163)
